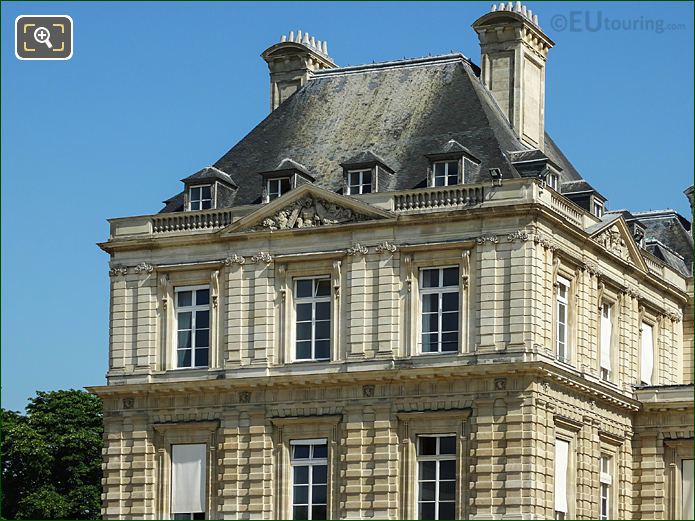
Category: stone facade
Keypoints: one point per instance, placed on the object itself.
(506, 392)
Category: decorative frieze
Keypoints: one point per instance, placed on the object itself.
(357, 249)
(234, 259)
(544, 241)
(386, 247)
(118, 270)
(143, 267)
(520, 235)
(262, 256)
(492, 239)
(244, 396)
(612, 240)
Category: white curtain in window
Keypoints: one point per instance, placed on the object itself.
(606, 330)
(562, 449)
(688, 490)
(188, 478)
(647, 355)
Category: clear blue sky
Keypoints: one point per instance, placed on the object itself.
(156, 91)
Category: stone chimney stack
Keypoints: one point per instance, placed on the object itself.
(513, 54)
(292, 62)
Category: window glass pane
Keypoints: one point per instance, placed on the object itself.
(202, 297)
(199, 515)
(320, 451)
(206, 205)
(202, 319)
(301, 494)
(318, 494)
(427, 446)
(428, 470)
(426, 511)
(184, 358)
(323, 288)
(184, 298)
(206, 193)
(323, 330)
(450, 341)
(201, 357)
(304, 312)
(430, 302)
(304, 331)
(446, 510)
(439, 169)
(430, 322)
(447, 490)
(447, 470)
(184, 339)
(450, 321)
(323, 310)
(319, 473)
(453, 172)
(184, 320)
(450, 301)
(195, 205)
(301, 452)
(427, 489)
(430, 278)
(318, 512)
(367, 189)
(323, 349)
(285, 185)
(451, 276)
(300, 512)
(429, 343)
(304, 350)
(304, 288)
(202, 337)
(367, 177)
(447, 445)
(195, 193)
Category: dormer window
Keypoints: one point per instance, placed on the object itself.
(359, 182)
(446, 173)
(598, 208)
(277, 187)
(200, 197)
(553, 181)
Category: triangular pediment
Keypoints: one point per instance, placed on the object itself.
(615, 237)
(307, 207)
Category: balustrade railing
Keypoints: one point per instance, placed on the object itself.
(191, 221)
(440, 197)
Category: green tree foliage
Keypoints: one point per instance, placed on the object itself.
(51, 457)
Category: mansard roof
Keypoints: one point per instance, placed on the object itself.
(208, 173)
(400, 111)
(672, 230)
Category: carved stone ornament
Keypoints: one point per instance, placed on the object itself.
(612, 240)
(128, 403)
(520, 235)
(143, 267)
(307, 213)
(500, 384)
(385, 246)
(368, 391)
(633, 292)
(592, 268)
(543, 241)
(234, 259)
(492, 239)
(118, 270)
(262, 256)
(356, 249)
(674, 316)
(244, 396)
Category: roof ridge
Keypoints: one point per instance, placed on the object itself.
(394, 64)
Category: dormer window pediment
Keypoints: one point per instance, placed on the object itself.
(285, 177)
(207, 189)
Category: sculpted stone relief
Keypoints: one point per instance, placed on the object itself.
(309, 212)
(612, 240)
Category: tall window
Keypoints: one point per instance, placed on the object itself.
(439, 300)
(359, 182)
(436, 478)
(606, 338)
(553, 181)
(188, 478)
(313, 313)
(562, 448)
(193, 326)
(606, 481)
(309, 460)
(277, 187)
(446, 173)
(200, 197)
(647, 354)
(561, 305)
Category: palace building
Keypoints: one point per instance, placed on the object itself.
(396, 298)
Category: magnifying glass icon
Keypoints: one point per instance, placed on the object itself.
(43, 35)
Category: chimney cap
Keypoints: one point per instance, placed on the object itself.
(303, 38)
(517, 8)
